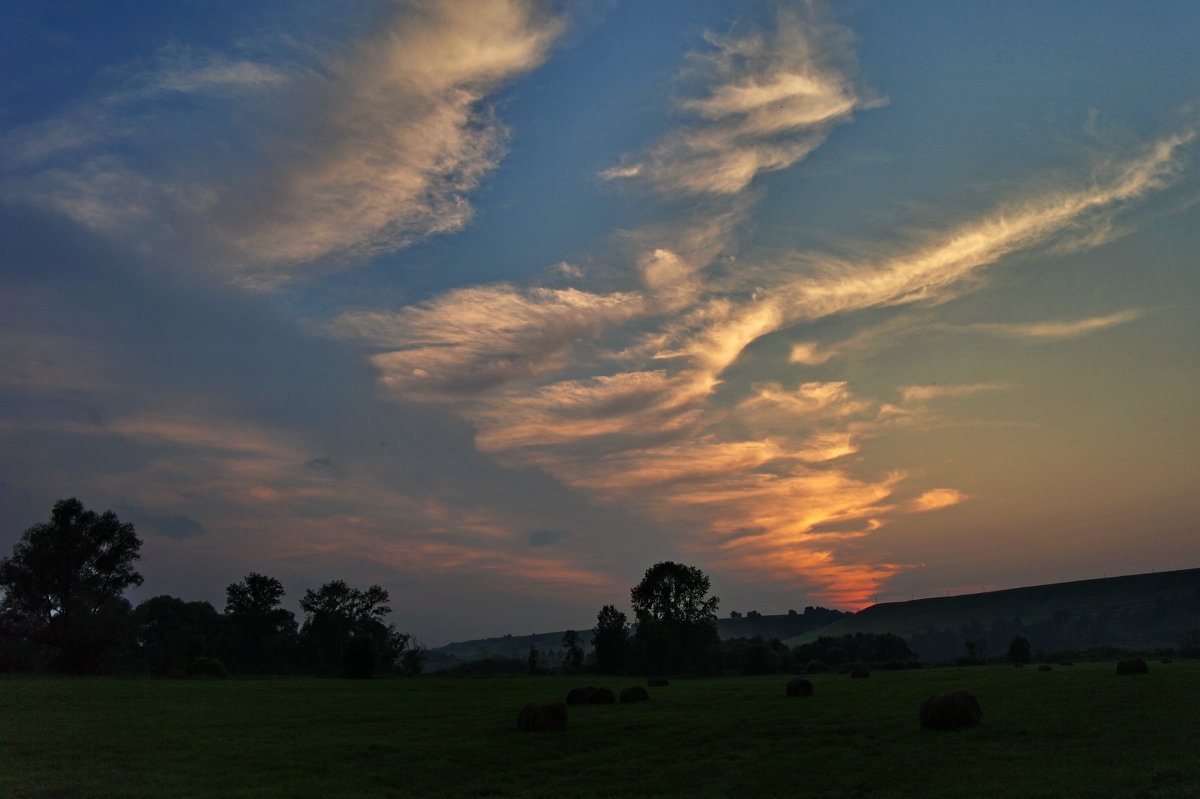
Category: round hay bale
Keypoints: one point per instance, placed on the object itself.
(1045, 667)
(603, 696)
(658, 682)
(580, 696)
(634, 693)
(543, 717)
(1132, 666)
(860, 674)
(799, 687)
(954, 711)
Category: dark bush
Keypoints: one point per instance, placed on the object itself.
(634, 693)
(860, 674)
(954, 711)
(580, 696)
(658, 682)
(543, 717)
(1132, 666)
(799, 688)
(358, 658)
(208, 667)
(603, 696)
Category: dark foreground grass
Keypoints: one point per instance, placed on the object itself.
(1075, 732)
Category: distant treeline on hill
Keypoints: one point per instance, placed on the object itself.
(62, 609)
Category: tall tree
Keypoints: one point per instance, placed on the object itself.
(676, 620)
(610, 639)
(344, 629)
(64, 582)
(261, 632)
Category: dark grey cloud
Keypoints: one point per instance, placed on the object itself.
(544, 538)
(170, 526)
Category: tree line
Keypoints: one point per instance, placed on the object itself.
(63, 610)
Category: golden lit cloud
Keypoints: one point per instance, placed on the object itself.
(1060, 329)
(936, 499)
(772, 99)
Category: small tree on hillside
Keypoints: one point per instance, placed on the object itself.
(1019, 651)
(574, 655)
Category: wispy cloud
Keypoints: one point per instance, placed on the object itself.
(1059, 329)
(615, 392)
(361, 149)
(771, 98)
(398, 137)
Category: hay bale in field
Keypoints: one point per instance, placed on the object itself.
(1067, 663)
(543, 717)
(799, 687)
(580, 696)
(1045, 667)
(954, 711)
(603, 696)
(1132, 666)
(634, 693)
(658, 682)
(860, 674)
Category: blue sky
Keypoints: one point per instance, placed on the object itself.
(499, 303)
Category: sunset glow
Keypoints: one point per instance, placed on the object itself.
(497, 303)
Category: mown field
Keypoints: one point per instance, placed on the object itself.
(1075, 732)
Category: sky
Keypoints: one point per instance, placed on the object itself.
(498, 303)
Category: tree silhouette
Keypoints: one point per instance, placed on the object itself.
(171, 634)
(64, 582)
(676, 620)
(574, 659)
(337, 615)
(610, 639)
(261, 633)
(1019, 651)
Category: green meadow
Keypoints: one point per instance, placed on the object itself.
(1077, 731)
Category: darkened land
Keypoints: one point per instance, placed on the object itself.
(1072, 732)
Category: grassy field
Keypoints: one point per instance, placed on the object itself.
(1074, 732)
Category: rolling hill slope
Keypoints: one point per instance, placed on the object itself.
(1141, 611)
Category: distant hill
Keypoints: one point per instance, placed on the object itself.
(1141, 611)
(551, 652)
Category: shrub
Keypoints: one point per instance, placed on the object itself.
(208, 667)
(358, 659)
